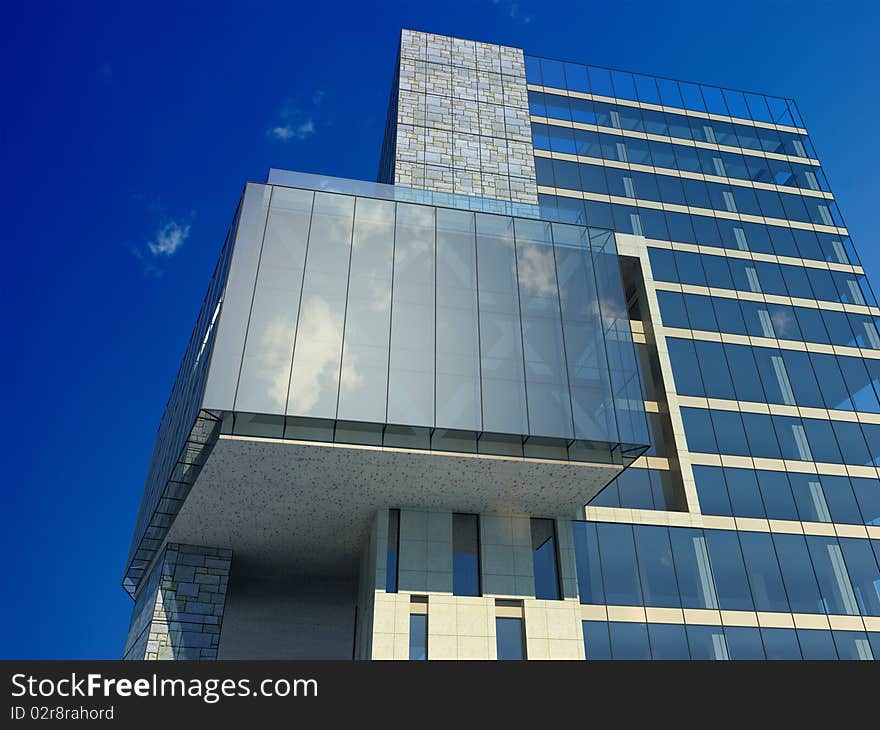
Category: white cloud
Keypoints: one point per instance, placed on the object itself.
(287, 132)
(537, 271)
(316, 368)
(514, 11)
(298, 119)
(169, 238)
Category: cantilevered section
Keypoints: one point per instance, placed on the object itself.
(446, 352)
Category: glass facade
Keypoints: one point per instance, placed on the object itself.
(384, 322)
(676, 567)
(617, 640)
(761, 300)
(725, 571)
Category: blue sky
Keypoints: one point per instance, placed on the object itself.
(127, 136)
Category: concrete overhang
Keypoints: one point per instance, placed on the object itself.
(305, 507)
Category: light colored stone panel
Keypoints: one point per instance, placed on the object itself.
(437, 112)
(413, 44)
(438, 48)
(463, 53)
(473, 647)
(489, 57)
(492, 120)
(438, 79)
(465, 83)
(442, 647)
(490, 89)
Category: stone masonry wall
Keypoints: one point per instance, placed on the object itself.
(463, 119)
(188, 595)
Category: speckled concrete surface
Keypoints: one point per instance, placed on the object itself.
(306, 507)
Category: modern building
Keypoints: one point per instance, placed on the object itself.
(591, 372)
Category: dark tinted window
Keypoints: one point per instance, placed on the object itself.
(418, 636)
(393, 547)
(545, 561)
(510, 643)
(465, 555)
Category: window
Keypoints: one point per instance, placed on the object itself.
(852, 645)
(864, 574)
(816, 644)
(659, 586)
(696, 584)
(708, 642)
(510, 642)
(634, 488)
(743, 643)
(731, 583)
(712, 490)
(763, 571)
(465, 555)
(744, 371)
(698, 430)
(668, 641)
(418, 636)
(393, 551)
(834, 583)
(797, 573)
(841, 502)
(545, 559)
(776, 495)
(781, 643)
(685, 367)
(629, 641)
(810, 498)
(597, 645)
(867, 493)
(745, 497)
(713, 366)
(619, 567)
(729, 431)
(589, 567)
(662, 264)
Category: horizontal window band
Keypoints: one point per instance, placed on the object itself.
(633, 516)
(769, 298)
(779, 344)
(688, 210)
(734, 253)
(673, 172)
(723, 617)
(786, 465)
(777, 409)
(666, 139)
(668, 109)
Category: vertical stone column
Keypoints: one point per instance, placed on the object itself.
(462, 119)
(179, 610)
